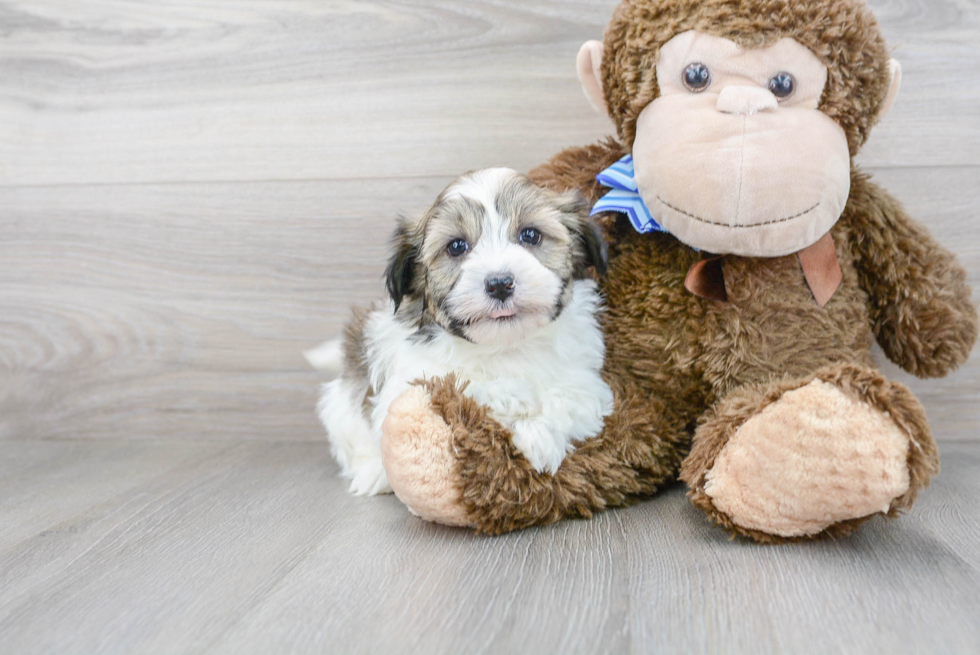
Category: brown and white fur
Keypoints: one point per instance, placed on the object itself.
(531, 352)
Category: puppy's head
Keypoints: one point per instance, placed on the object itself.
(494, 258)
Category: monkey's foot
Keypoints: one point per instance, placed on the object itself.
(811, 458)
(416, 447)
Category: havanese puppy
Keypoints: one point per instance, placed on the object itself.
(492, 284)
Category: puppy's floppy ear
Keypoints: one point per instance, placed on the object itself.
(400, 275)
(590, 247)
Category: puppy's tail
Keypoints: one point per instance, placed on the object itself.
(327, 357)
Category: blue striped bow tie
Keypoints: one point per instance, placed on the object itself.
(625, 197)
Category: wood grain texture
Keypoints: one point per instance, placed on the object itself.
(181, 311)
(139, 91)
(256, 547)
(191, 194)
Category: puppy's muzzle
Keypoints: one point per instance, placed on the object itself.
(500, 287)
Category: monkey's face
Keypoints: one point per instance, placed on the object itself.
(742, 115)
(734, 156)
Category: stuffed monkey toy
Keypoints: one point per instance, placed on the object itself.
(750, 266)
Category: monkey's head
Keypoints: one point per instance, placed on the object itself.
(742, 115)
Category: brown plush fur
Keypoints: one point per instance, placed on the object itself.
(500, 490)
(677, 361)
(919, 302)
(862, 384)
(843, 34)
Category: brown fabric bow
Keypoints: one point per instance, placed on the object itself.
(822, 271)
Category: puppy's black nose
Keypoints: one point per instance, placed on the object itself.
(500, 287)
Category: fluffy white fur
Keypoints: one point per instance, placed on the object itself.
(546, 387)
(537, 373)
(537, 287)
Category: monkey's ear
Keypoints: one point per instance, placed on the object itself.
(895, 69)
(401, 266)
(589, 65)
(592, 251)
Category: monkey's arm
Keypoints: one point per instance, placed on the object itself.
(485, 483)
(576, 168)
(920, 304)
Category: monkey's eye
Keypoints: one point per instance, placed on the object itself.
(697, 77)
(457, 248)
(530, 236)
(782, 85)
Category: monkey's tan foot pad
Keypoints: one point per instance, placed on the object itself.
(814, 458)
(416, 449)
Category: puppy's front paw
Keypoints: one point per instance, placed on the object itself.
(508, 399)
(369, 478)
(542, 449)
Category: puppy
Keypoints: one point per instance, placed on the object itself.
(491, 283)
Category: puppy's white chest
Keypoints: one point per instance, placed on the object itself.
(508, 399)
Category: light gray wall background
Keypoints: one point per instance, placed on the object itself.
(192, 193)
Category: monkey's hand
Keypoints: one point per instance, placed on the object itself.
(450, 462)
(920, 304)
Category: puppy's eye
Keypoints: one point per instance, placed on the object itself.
(457, 248)
(782, 85)
(530, 236)
(697, 77)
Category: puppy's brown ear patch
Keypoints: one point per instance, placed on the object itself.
(597, 254)
(400, 274)
(590, 247)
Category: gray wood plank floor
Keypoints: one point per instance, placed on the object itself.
(171, 546)
(191, 194)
